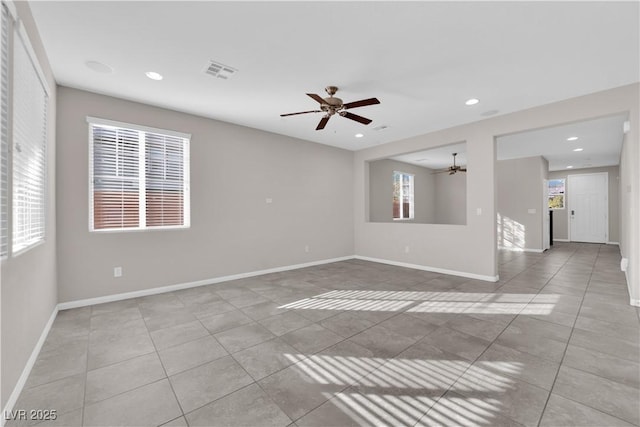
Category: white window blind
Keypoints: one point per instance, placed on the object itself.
(139, 178)
(29, 132)
(116, 183)
(4, 133)
(164, 169)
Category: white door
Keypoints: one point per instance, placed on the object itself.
(588, 207)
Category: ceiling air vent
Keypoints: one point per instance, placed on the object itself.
(381, 127)
(219, 70)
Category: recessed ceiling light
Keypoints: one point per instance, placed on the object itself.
(99, 67)
(472, 101)
(578, 149)
(572, 138)
(359, 135)
(153, 75)
(569, 167)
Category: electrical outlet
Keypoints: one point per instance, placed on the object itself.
(117, 271)
(307, 248)
(406, 249)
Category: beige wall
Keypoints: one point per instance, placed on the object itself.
(28, 281)
(234, 170)
(520, 189)
(381, 191)
(468, 249)
(560, 216)
(629, 235)
(439, 198)
(451, 198)
(472, 248)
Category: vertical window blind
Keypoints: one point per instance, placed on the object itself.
(29, 141)
(139, 177)
(4, 132)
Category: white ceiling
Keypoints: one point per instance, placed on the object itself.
(436, 158)
(600, 139)
(422, 60)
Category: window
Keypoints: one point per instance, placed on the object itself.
(4, 133)
(556, 193)
(29, 149)
(139, 177)
(23, 130)
(402, 195)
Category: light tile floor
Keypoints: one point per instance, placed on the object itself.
(554, 343)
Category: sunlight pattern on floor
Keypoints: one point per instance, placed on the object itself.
(347, 304)
(462, 411)
(428, 302)
(383, 409)
(416, 374)
(406, 391)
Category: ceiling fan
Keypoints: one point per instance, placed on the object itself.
(454, 168)
(332, 105)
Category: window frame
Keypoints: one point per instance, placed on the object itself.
(142, 175)
(15, 33)
(563, 194)
(412, 202)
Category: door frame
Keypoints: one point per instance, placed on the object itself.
(568, 202)
(546, 224)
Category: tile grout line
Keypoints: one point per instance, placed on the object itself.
(86, 372)
(491, 343)
(565, 352)
(555, 378)
(403, 311)
(157, 353)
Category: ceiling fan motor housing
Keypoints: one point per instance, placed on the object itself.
(332, 105)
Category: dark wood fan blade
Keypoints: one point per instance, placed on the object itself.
(462, 169)
(301, 112)
(317, 98)
(323, 123)
(356, 117)
(361, 103)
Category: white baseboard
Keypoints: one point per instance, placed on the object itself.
(187, 285)
(117, 297)
(432, 269)
(537, 251)
(13, 398)
(567, 241)
(634, 302)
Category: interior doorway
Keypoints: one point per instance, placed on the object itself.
(588, 207)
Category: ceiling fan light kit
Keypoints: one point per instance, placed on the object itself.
(454, 168)
(332, 105)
